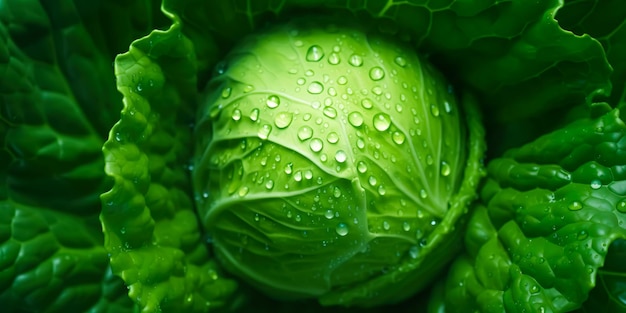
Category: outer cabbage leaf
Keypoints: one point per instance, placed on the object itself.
(57, 100)
(605, 21)
(151, 229)
(502, 49)
(552, 210)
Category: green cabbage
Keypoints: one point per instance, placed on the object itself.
(166, 219)
(329, 160)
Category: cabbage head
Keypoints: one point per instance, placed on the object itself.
(329, 163)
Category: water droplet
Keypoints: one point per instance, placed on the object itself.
(329, 214)
(298, 218)
(316, 145)
(236, 114)
(423, 194)
(575, 206)
(430, 160)
(305, 132)
(265, 131)
(382, 121)
(215, 111)
(582, 235)
(283, 119)
(341, 156)
(332, 137)
(301, 81)
(226, 92)
(406, 226)
(372, 180)
(445, 168)
(334, 58)
(254, 115)
(534, 289)
(330, 112)
(272, 101)
(400, 61)
(257, 217)
(386, 225)
(341, 229)
(596, 184)
(314, 53)
(367, 103)
(355, 119)
(621, 206)
(414, 252)
(355, 60)
(315, 88)
(269, 184)
(360, 143)
(297, 176)
(309, 73)
(361, 167)
(377, 73)
(434, 110)
(398, 137)
(289, 168)
(381, 190)
(243, 191)
(447, 107)
(336, 192)
(248, 88)
(342, 80)
(308, 174)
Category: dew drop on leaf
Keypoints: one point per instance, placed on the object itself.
(254, 115)
(316, 145)
(342, 229)
(341, 156)
(330, 112)
(315, 88)
(334, 58)
(243, 191)
(236, 114)
(355, 60)
(336, 192)
(361, 167)
(376, 73)
(283, 120)
(265, 131)
(575, 206)
(400, 61)
(434, 110)
(445, 168)
(329, 214)
(355, 119)
(314, 53)
(398, 137)
(272, 101)
(381, 121)
(226, 92)
(332, 137)
(596, 184)
(305, 132)
(367, 103)
(381, 190)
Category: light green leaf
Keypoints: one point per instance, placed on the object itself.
(151, 229)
